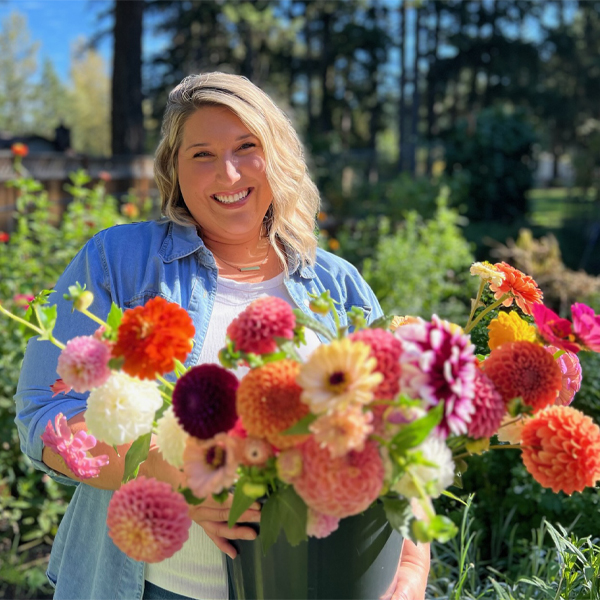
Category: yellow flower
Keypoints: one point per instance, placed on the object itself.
(399, 321)
(488, 272)
(509, 327)
(338, 376)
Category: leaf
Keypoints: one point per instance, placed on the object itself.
(293, 515)
(180, 368)
(301, 427)
(136, 455)
(399, 514)
(270, 523)
(46, 316)
(416, 432)
(113, 320)
(307, 321)
(241, 503)
(382, 322)
(190, 498)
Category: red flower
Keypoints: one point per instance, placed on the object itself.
(255, 329)
(489, 408)
(587, 326)
(521, 287)
(151, 337)
(556, 331)
(4, 237)
(524, 369)
(561, 449)
(19, 149)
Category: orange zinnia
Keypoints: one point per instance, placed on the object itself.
(521, 288)
(561, 449)
(268, 402)
(151, 337)
(524, 369)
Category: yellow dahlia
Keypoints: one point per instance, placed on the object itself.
(339, 375)
(509, 327)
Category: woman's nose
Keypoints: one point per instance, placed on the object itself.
(229, 170)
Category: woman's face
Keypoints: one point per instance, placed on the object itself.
(221, 169)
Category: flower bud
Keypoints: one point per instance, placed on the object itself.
(83, 301)
(254, 490)
(319, 306)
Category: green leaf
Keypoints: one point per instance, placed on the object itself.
(241, 503)
(307, 321)
(399, 514)
(289, 349)
(293, 513)
(113, 320)
(46, 316)
(190, 498)
(440, 528)
(180, 368)
(136, 455)
(270, 522)
(416, 432)
(382, 322)
(301, 427)
(221, 496)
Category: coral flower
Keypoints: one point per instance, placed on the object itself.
(268, 402)
(319, 525)
(339, 487)
(555, 330)
(511, 428)
(83, 364)
(386, 349)
(561, 449)
(526, 370)
(255, 329)
(521, 288)
(587, 326)
(254, 451)
(151, 337)
(60, 387)
(4, 237)
(204, 400)
(338, 375)
(289, 465)
(19, 149)
(210, 466)
(509, 327)
(341, 432)
(147, 520)
(571, 376)
(489, 408)
(73, 448)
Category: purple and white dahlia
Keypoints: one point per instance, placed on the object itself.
(438, 365)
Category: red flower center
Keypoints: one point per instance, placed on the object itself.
(337, 379)
(216, 457)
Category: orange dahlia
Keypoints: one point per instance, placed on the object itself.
(268, 402)
(524, 369)
(561, 449)
(151, 337)
(521, 288)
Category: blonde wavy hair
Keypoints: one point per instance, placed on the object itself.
(291, 216)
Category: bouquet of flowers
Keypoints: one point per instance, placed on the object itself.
(384, 413)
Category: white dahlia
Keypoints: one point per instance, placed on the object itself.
(171, 438)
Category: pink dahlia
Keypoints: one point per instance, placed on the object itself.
(341, 432)
(319, 525)
(571, 376)
(586, 325)
(204, 400)
(438, 365)
(83, 364)
(339, 487)
(553, 329)
(386, 349)
(148, 520)
(210, 465)
(73, 449)
(489, 408)
(255, 329)
(289, 465)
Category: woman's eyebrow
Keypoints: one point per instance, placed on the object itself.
(204, 144)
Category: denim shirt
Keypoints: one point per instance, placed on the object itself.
(128, 265)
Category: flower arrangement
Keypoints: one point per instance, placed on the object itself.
(383, 413)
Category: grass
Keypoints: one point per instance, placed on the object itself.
(556, 207)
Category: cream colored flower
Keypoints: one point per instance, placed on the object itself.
(511, 427)
(337, 376)
(488, 272)
(122, 409)
(341, 432)
(171, 438)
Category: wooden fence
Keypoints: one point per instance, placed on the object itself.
(125, 174)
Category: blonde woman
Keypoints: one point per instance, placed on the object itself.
(239, 209)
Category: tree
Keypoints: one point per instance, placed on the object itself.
(51, 103)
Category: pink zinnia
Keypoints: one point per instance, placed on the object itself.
(23, 300)
(83, 364)
(489, 408)
(438, 365)
(586, 325)
(255, 329)
(73, 448)
(319, 525)
(553, 329)
(148, 520)
(571, 376)
(253, 450)
(210, 466)
(386, 349)
(339, 487)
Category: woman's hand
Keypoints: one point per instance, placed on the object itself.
(212, 517)
(411, 577)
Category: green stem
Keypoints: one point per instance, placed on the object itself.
(31, 326)
(476, 303)
(93, 317)
(166, 397)
(166, 383)
(496, 447)
(424, 497)
(486, 310)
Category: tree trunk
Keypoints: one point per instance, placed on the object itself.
(416, 99)
(127, 117)
(402, 103)
(431, 88)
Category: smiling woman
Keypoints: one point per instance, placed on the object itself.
(239, 224)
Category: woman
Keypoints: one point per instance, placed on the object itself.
(239, 207)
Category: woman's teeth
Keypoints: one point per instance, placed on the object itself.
(233, 198)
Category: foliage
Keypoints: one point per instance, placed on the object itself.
(494, 155)
(31, 503)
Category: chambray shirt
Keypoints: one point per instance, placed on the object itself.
(128, 265)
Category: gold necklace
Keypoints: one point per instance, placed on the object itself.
(250, 268)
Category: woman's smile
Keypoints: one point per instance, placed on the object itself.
(233, 199)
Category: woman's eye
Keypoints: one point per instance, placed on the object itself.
(247, 145)
(201, 154)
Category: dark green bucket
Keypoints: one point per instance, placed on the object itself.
(357, 561)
